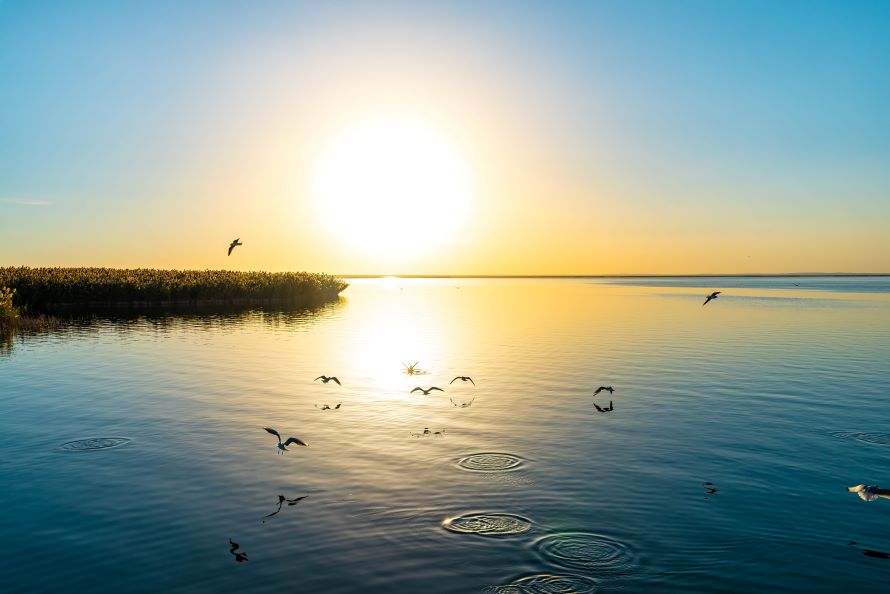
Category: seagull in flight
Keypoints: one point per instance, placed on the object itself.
(427, 391)
(869, 492)
(290, 440)
(234, 244)
(282, 499)
(608, 389)
(462, 404)
(604, 410)
(239, 557)
(464, 378)
(711, 296)
(325, 379)
(329, 407)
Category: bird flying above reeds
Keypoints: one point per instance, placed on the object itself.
(711, 296)
(290, 440)
(325, 379)
(608, 389)
(234, 244)
(426, 392)
(463, 378)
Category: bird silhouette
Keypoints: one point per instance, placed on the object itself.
(234, 244)
(711, 296)
(608, 389)
(283, 446)
(463, 378)
(325, 379)
(329, 407)
(427, 391)
(239, 557)
(462, 404)
(869, 492)
(610, 408)
(427, 433)
(282, 499)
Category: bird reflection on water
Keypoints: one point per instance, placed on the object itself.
(282, 500)
(239, 557)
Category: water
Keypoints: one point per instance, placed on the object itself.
(133, 449)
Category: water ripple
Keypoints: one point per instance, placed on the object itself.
(488, 524)
(490, 462)
(94, 443)
(873, 438)
(546, 584)
(581, 550)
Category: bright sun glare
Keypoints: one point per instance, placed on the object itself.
(392, 186)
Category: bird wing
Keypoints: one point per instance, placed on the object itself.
(471, 380)
(231, 247)
(598, 407)
(336, 380)
(418, 388)
(291, 440)
(455, 379)
(715, 293)
(598, 390)
(338, 405)
(273, 432)
(435, 388)
(296, 500)
(321, 377)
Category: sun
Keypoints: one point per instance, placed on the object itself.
(392, 186)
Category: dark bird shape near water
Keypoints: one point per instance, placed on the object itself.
(711, 296)
(427, 433)
(462, 404)
(427, 391)
(869, 492)
(281, 500)
(608, 389)
(329, 407)
(290, 440)
(234, 244)
(239, 557)
(710, 489)
(325, 379)
(870, 552)
(610, 408)
(463, 378)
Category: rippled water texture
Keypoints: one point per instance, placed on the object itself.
(134, 450)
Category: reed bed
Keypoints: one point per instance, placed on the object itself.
(43, 289)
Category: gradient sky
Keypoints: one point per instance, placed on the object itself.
(602, 137)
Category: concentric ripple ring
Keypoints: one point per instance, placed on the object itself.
(94, 443)
(546, 584)
(490, 462)
(488, 524)
(592, 552)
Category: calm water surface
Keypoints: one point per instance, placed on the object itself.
(777, 396)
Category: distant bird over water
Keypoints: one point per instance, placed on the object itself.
(290, 440)
(869, 492)
(325, 379)
(234, 244)
(239, 557)
(427, 391)
(463, 378)
(463, 404)
(329, 407)
(608, 389)
(711, 296)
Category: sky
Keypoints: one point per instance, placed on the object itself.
(629, 137)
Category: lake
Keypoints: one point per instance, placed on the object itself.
(133, 446)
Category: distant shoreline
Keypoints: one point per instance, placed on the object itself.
(557, 276)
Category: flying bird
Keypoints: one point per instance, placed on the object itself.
(463, 378)
(869, 492)
(234, 244)
(290, 440)
(462, 404)
(325, 379)
(328, 406)
(239, 557)
(282, 499)
(427, 391)
(608, 389)
(711, 296)
(610, 408)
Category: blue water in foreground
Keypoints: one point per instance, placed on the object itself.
(133, 448)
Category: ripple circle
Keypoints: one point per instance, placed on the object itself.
(490, 462)
(581, 550)
(546, 584)
(94, 443)
(873, 438)
(488, 524)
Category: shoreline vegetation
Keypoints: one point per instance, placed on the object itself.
(36, 291)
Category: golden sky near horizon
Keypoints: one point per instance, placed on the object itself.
(441, 141)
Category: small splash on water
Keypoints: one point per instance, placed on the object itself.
(581, 550)
(490, 462)
(488, 524)
(873, 438)
(94, 443)
(546, 584)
